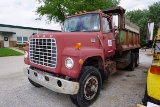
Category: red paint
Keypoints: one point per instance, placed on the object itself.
(66, 48)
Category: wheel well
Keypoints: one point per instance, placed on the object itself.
(97, 62)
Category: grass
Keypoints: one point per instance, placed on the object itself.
(9, 52)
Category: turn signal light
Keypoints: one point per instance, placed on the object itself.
(27, 43)
(76, 13)
(81, 61)
(99, 10)
(78, 45)
(155, 69)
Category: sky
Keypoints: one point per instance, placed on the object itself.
(22, 12)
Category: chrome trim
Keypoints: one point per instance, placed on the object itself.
(67, 87)
(71, 61)
(41, 54)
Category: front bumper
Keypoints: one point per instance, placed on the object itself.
(53, 83)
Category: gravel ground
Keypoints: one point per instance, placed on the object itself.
(123, 89)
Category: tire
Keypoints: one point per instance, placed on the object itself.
(90, 83)
(74, 99)
(34, 83)
(137, 59)
(145, 98)
(131, 66)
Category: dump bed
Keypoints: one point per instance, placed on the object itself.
(128, 37)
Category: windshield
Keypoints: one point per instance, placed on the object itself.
(157, 47)
(87, 22)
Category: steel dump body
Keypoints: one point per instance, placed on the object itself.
(127, 40)
(128, 37)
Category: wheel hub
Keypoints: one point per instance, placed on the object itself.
(90, 88)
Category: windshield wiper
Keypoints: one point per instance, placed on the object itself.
(89, 30)
(83, 30)
(75, 31)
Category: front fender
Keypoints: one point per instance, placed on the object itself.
(76, 55)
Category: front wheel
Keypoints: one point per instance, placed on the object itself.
(136, 59)
(90, 84)
(131, 66)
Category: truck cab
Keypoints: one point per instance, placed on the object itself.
(88, 50)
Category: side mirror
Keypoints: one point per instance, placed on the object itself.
(115, 21)
(116, 31)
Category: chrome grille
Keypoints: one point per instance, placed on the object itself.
(43, 51)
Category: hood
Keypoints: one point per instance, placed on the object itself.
(68, 40)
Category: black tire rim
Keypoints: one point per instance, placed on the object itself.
(90, 87)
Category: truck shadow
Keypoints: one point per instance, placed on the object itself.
(52, 98)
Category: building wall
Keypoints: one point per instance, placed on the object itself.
(20, 32)
(12, 43)
(1, 37)
(1, 43)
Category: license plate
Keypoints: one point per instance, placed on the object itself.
(149, 104)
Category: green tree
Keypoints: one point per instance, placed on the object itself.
(57, 10)
(141, 18)
(154, 15)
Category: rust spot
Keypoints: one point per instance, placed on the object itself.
(76, 89)
(110, 67)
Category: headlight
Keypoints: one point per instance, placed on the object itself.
(69, 63)
(25, 54)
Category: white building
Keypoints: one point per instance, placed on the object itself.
(11, 35)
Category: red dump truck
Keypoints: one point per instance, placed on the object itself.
(91, 46)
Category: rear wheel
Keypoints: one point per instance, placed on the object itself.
(131, 66)
(90, 84)
(136, 59)
(34, 83)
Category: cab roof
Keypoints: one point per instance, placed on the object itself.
(113, 10)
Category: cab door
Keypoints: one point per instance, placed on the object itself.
(109, 38)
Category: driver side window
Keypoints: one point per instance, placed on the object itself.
(105, 25)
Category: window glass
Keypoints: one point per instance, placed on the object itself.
(22, 40)
(105, 25)
(19, 40)
(25, 39)
(82, 23)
